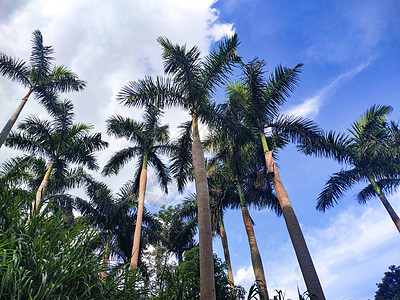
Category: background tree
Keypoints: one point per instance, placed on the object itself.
(389, 288)
(151, 141)
(194, 80)
(115, 216)
(177, 233)
(40, 78)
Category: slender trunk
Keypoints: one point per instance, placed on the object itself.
(254, 252)
(40, 191)
(138, 228)
(385, 202)
(207, 284)
(10, 123)
(103, 273)
(296, 235)
(224, 240)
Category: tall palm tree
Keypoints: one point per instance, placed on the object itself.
(263, 99)
(372, 150)
(230, 140)
(41, 77)
(151, 141)
(193, 82)
(59, 142)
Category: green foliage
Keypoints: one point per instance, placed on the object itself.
(53, 259)
(389, 288)
(183, 282)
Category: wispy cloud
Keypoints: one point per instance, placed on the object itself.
(311, 106)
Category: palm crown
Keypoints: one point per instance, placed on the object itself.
(372, 151)
(150, 140)
(41, 77)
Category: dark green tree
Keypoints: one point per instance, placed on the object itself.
(177, 234)
(389, 288)
(184, 281)
(41, 77)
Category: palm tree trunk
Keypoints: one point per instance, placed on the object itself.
(224, 240)
(40, 191)
(207, 284)
(103, 273)
(296, 235)
(138, 228)
(10, 123)
(385, 203)
(254, 252)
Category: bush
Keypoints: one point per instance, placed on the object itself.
(52, 259)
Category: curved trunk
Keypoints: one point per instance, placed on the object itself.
(10, 123)
(42, 187)
(296, 235)
(207, 284)
(255, 253)
(103, 273)
(385, 202)
(224, 240)
(138, 228)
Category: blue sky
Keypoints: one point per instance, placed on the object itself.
(351, 56)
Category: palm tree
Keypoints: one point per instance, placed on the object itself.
(151, 141)
(230, 139)
(59, 142)
(263, 98)
(372, 149)
(193, 82)
(40, 78)
(26, 173)
(114, 215)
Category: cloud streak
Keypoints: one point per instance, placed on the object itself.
(311, 106)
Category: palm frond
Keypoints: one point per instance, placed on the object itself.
(218, 63)
(336, 186)
(279, 87)
(296, 129)
(182, 161)
(122, 127)
(159, 92)
(15, 69)
(387, 185)
(119, 159)
(331, 145)
(63, 80)
(161, 170)
(41, 59)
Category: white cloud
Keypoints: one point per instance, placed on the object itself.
(107, 44)
(311, 106)
(245, 277)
